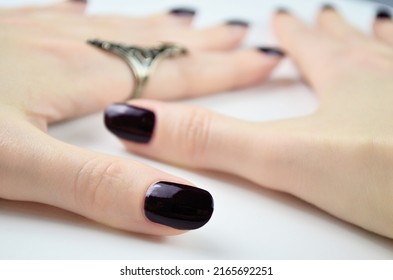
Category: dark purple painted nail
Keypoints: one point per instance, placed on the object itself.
(282, 11)
(383, 14)
(129, 122)
(178, 206)
(237, 22)
(272, 51)
(187, 12)
(328, 7)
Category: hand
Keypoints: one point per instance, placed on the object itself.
(49, 73)
(339, 158)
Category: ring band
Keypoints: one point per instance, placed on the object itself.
(141, 60)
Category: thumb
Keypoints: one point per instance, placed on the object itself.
(117, 192)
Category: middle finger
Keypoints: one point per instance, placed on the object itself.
(331, 22)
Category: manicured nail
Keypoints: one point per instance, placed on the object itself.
(272, 51)
(129, 122)
(178, 206)
(383, 14)
(282, 11)
(328, 7)
(237, 22)
(183, 12)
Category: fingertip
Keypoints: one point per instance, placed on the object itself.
(273, 52)
(182, 12)
(238, 22)
(182, 15)
(383, 25)
(225, 36)
(383, 14)
(178, 206)
(257, 64)
(131, 123)
(328, 7)
(280, 18)
(128, 195)
(282, 11)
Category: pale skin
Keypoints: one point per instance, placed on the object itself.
(49, 73)
(338, 158)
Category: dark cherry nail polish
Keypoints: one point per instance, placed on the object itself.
(188, 12)
(282, 11)
(383, 14)
(178, 206)
(237, 22)
(130, 122)
(272, 51)
(327, 7)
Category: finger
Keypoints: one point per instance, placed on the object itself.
(311, 50)
(179, 134)
(198, 138)
(383, 26)
(182, 15)
(330, 21)
(113, 191)
(203, 73)
(221, 37)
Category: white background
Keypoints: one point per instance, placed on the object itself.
(249, 222)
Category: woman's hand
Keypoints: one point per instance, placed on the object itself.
(49, 73)
(340, 158)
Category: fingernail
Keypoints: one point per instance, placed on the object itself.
(328, 7)
(81, 1)
(237, 22)
(178, 206)
(129, 122)
(187, 12)
(383, 14)
(282, 11)
(272, 51)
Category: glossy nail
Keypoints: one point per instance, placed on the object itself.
(184, 12)
(272, 51)
(129, 122)
(383, 14)
(328, 7)
(237, 22)
(178, 206)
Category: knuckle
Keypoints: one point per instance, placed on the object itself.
(193, 131)
(95, 184)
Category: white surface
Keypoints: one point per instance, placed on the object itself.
(249, 222)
